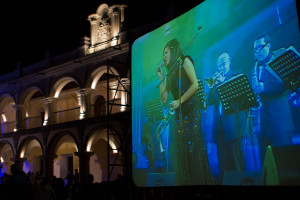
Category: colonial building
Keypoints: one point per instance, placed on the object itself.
(72, 111)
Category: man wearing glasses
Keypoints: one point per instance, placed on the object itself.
(273, 119)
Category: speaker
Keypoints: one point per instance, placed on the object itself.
(161, 179)
(242, 178)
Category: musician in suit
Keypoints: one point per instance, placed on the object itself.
(227, 129)
(274, 116)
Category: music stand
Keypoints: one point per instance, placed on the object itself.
(287, 67)
(158, 124)
(200, 95)
(154, 110)
(236, 94)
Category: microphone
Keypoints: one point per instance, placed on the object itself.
(158, 67)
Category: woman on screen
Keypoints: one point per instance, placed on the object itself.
(181, 81)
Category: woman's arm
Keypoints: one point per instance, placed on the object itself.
(162, 88)
(189, 69)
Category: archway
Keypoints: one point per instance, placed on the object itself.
(97, 143)
(66, 107)
(98, 83)
(34, 107)
(100, 106)
(31, 150)
(6, 154)
(8, 113)
(65, 161)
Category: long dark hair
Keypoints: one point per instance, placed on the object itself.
(172, 66)
(175, 52)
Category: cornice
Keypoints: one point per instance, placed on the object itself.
(71, 65)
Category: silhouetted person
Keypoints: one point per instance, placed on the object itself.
(70, 178)
(89, 190)
(76, 177)
(59, 189)
(17, 187)
(45, 191)
(76, 186)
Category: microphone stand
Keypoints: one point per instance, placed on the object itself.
(180, 58)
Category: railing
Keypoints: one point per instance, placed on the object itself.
(67, 115)
(34, 122)
(114, 107)
(7, 127)
(62, 116)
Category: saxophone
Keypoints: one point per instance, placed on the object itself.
(255, 83)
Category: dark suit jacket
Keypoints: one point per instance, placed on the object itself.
(276, 116)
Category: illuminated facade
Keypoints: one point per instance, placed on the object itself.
(70, 111)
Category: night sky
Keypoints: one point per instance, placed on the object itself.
(31, 28)
(35, 27)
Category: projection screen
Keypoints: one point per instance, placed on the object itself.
(216, 98)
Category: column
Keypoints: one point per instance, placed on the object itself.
(113, 85)
(2, 127)
(20, 117)
(94, 20)
(115, 26)
(122, 8)
(84, 102)
(49, 114)
(19, 161)
(84, 165)
(47, 165)
(124, 93)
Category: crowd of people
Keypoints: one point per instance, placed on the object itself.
(23, 186)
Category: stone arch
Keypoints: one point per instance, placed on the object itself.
(6, 154)
(97, 143)
(65, 107)
(102, 10)
(4, 98)
(8, 113)
(29, 93)
(63, 145)
(34, 107)
(27, 143)
(97, 74)
(6, 143)
(31, 150)
(101, 133)
(60, 84)
(54, 141)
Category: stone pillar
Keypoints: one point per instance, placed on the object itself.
(114, 88)
(47, 165)
(84, 46)
(115, 27)
(84, 103)
(125, 87)
(20, 117)
(84, 165)
(122, 13)
(49, 114)
(94, 20)
(19, 161)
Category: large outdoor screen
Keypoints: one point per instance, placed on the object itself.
(216, 98)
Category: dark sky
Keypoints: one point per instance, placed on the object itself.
(33, 27)
(30, 28)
